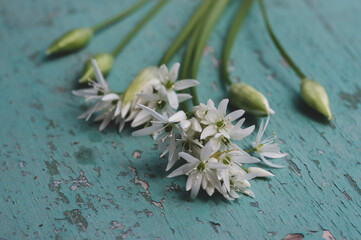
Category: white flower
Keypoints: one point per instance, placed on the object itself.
(200, 171)
(267, 147)
(112, 107)
(163, 126)
(201, 110)
(218, 123)
(158, 102)
(168, 83)
(96, 92)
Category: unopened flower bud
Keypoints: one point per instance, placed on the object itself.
(249, 99)
(316, 97)
(260, 172)
(143, 79)
(105, 64)
(71, 41)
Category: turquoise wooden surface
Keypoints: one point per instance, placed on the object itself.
(62, 179)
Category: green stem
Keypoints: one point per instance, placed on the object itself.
(251, 150)
(278, 44)
(118, 16)
(187, 60)
(236, 24)
(139, 25)
(182, 36)
(209, 22)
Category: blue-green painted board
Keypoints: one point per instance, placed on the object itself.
(62, 179)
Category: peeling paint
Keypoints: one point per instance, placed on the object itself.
(115, 225)
(128, 232)
(137, 154)
(145, 186)
(352, 99)
(353, 183)
(75, 217)
(292, 166)
(294, 236)
(327, 235)
(80, 182)
(214, 225)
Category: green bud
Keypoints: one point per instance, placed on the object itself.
(144, 77)
(316, 97)
(249, 99)
(71, 41)
(105, 63)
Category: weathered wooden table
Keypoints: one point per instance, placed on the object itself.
(62, 179)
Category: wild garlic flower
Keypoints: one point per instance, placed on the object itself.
(267, 147)
(218, 123)
(200, 171)
(168, 83)
(163, 127)
(106, 102)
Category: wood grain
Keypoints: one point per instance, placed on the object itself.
(62, 179)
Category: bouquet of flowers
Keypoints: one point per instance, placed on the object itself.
(202, 141)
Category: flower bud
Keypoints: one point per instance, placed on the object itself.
(249, 99)
(105, 64)
(260, 172)
(144, 77)
(316, 97)
(71, 41)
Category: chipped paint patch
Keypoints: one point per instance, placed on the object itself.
(128, 232)
(145, 186)
(327, 235)
(75, 217)
(353, 183)
(294, 236)
(292, 166)
(214, 59)
(115, 225)
(80, 182)
(352, 99)
(137, 154)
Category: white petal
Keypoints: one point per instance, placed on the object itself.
(235, 115)
(121, 125)
(184, 84)
(210, 190)
(153, 113)
(177, 117)
(99, 75)
(185, 125)
(270, 164)
(172, 99)
(163, 73)
(208, 150)
(147, 131)
(141, 118)
(125, 109)
(105, 122)
(195, 125)
(189, 158)
(209, 131)
(274, 154)
(196, 185)
(183, 97)
(173, 73)
(245, 159)
(118, 108)
(182, 170)
(110, 97)
(222, 107)
(215, 165)
(260, 172)
(190, 181)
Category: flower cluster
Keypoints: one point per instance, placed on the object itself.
(205, 137)
(153, 87)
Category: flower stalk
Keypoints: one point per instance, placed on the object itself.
(88, 72)
(311, 91)
(77, 38)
